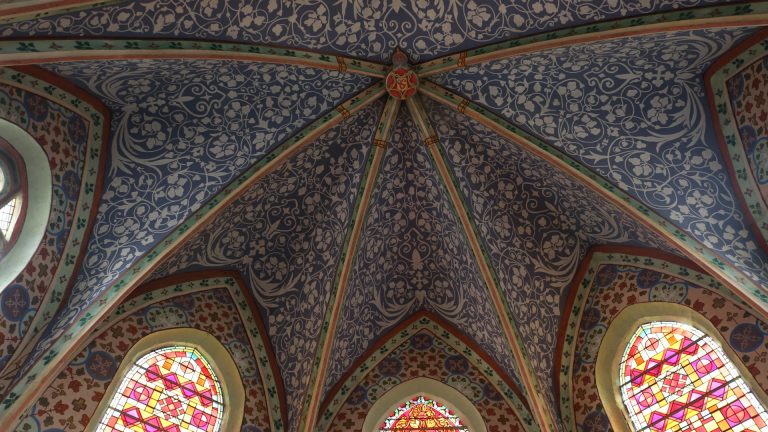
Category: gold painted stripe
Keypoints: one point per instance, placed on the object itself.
(31, 388)
(382, 134)
(539, 408)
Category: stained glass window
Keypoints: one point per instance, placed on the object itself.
(421, 414)
(171, 389)
(676, 378)
(10, 197)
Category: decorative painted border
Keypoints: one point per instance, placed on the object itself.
(37, 9)
(729, 275)
(540, 409)
(47, 85)
(190, 283)
(351, 244)
(42, 51)
(401, 334)
(716, 78)
(746, 14)
(27, 389)
(581, 288)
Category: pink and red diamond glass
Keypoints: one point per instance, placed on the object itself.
(675, 378)
(171, 389)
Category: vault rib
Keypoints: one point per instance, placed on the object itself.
(749, 14)
(317, 379)
(44, 51)
(540, 409)
(28, 388)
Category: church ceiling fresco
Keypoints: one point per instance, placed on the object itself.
(412, 256)
(257, 164)
(535, 233)
(357, 28)
(158, 173)
(634, 111)
(285, 235)
(70, 136)
(737, 90)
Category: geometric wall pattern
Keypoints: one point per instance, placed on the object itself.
(70, 401)
(170, 389)
(72, 137)
(674, 377)
(613, 281)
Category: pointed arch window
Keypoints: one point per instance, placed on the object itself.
(164, 385)
(423, 405)
(665, 367)
(422, 414)
(12, 180)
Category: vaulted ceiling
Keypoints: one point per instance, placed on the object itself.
(260, 138)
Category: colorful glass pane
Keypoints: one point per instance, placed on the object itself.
(171, 389)
(422, 414)
(7, 218)
(676, 378)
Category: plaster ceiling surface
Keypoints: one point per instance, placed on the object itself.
(285, 235)
(359, 28)
(180, 131)
(631, 110)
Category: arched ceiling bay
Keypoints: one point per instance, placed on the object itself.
(219, 163)
(356, 28)
(286, 235)
(634, 111)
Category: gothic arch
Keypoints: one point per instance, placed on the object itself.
(617, 336)
(39, 192)
(233, 394)
(427, 387)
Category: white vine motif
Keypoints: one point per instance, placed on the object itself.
(633, 110)
(359, 28)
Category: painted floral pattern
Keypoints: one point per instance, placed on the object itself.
(634, 111)
(359, 28)
(535, 232)
(71, 400)
(62, 135)
(412, 255)
(424, 355)
(748, 91)
(617, 286)
(285, 235)
(181, 130)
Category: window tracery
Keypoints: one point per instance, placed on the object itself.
(422, 414)
(170, 389)
(674, 377)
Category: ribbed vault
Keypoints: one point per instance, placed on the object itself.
(256, 140)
